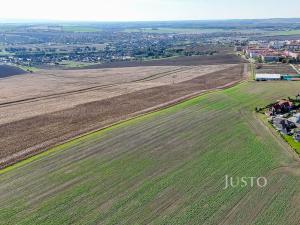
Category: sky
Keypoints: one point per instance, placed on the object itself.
(147, 10)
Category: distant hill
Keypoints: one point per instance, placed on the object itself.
(230, 23)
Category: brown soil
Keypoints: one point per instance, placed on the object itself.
(276, 69)
(26, 137)
(7, 71)
(178, 61)
(50, 91)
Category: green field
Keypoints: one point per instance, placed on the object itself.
(28, 68)
(165, 168)
(191, 30)
(3, 52)
(75, 64)
(288, 32)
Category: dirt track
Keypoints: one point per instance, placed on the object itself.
(26, 137)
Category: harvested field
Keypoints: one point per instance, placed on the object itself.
(7, 71)
(276, 69)
(165, 168)
(178, 61)
(58, 82)
(40, 132)
(51, 91)
(50, 82)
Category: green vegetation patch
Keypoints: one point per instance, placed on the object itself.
(287, 33)
(294, 144)
(31, 69)
(75, 64)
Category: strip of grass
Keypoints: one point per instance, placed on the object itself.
(294, 144)
(285, 33)
(28, 68)
(75, 64)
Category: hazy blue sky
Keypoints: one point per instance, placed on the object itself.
(137, 10)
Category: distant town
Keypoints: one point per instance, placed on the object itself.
(287, 51)
(79, 45)
(274, 60)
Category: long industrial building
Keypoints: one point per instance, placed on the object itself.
(265, 77)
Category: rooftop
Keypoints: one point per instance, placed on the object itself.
(267, 76)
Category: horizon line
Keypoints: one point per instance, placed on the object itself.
(12, 20)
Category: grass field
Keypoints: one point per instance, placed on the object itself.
(165, 168)
(74, 64)
(288, 32)
(4, 53)
(2, 50)
(192, 30)
(28, 68)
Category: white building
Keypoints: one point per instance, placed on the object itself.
(265, 77)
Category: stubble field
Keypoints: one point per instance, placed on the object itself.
(48, 91)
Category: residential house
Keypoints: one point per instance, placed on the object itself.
(295, 119)
(282, 106)
(283, 125)
(293, 54)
